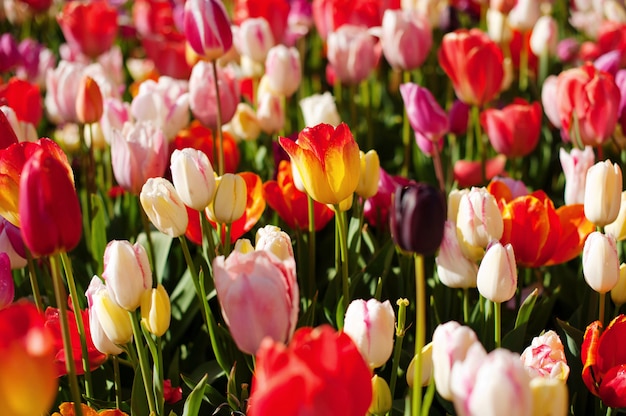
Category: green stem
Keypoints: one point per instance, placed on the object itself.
(227, 242)
(143, 362)
(406, 134)
(311, 244)
(497, 314)
(207, 239)
(61, 299)
(157, 359)
(146, 228)
(420, 323)
(397, 349)
(480, 144)
(67, 265)
(218, 128)
(340, 222)
(602, 303)
(439, 168)
(466, 306)
(523, 65)
(34, 284)
(366, 102)
(428, 397)
(118, 381)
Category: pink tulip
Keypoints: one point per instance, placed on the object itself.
(202, 95)
(352, 53)
(116, 113)
(255, 39)
(406, 39)
(425, 114)
(207, 28)
(61, 90)
(376, 208)
(575, 165)
(283, 70)
(12, 244)
(259, 297)
(545, 357)
(620, 81)
(549, 100)
(458, 117)
(7, 287)
(138, 152)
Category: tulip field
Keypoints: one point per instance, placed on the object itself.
(312, 207)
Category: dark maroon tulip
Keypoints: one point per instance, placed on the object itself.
(418, 214)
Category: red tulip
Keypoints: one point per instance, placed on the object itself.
(89, 27)
(275, 12)
(207, 28)
(292, 204)
(321, 372)
(7, 134)
(329, 15)
(513, 131)
(474, 64)
(469, 173)
(48, 205)
(604, 361)
(24, 98)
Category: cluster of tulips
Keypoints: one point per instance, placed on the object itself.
(170, 170)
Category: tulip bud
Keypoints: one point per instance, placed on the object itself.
(575, 165)
(601, 267)
(273, 239)
(255, 38)
(7, 287)
(89, 101)
(417, 217)
(207, 28)
(381, 397)
(497, 273)
(127, 273)
(454, 199)
(244, 123)
(544, 36)
(282, 68)
(603, 190)
(320, 108)
(618, 293)
(371, 326)
(453, 268)
(370, 173)
(550, 397)
(164, 207)
(243, 246)
(156, 310)
(193, 177)
(100, 339)
(270, 113)
(479, 218)
(427, 366)
(230, 199)
(618, 227)
(114, 320)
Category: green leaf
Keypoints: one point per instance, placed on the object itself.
(162, 244)
(138, 400)
(526, 309)
(98, 232)
(194, 400)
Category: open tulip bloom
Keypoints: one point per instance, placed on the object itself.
(312, 207)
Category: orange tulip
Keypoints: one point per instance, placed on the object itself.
(292, 204)
(67, 409)
(328, 161)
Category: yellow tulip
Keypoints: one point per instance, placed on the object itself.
(156, 310)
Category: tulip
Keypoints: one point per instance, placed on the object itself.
(497, 273)
(272, 239)
(418, 214)
(229, 203)
(550, 397)
(320, 108)
(587, 104)
(425, 115)
(282, 68)
(492, 384)
(544, 36)
(62, 85)
(156, 310)
(603, 361)
(328, 161)
(138, 152)
(127, 273)
(28, 380)
(89, 105)
(575, 165)
(406, 39)
(275, 12)
(244, 123)
(618, 293)
(453, 202)
(370, 172)
(332, 376)
(453, 268)
(255, 38)
(7, 287)
(474, 64)
(207, 28)
(427, 366)
(603, 190)
(12, 244)
(9, 127)
(193, 177)
(9, 54)
(258, 294)
(89, 28)
(549, 100)
(381, 400)
(458, 117)
(371, 325)
(479, 219)
(451, 343)
(600, 262)
(376, 208)
(99, 338)
(352, 53)
(114, 320)
(270, 113)
(545, 357)
(470, 173)
(513, 131)
(524, 15)
(115, 114)
(203, 97)
(164, 207)
(49, 210)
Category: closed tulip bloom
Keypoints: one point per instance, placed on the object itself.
(272, 239)
(550, 397)
(138, 152)
(89, 101)
(156, 310)
(203, 97)
(49, 210)
(370, 172)
(258, 294)
(497, 273)
(371, 325)
(381, 396)
(600, 262)
(474, 64)
(524, 15)
(514, 130)
(100, 339)
(230, 199)
(453, 268)
(454, 200)
(618, 293)
(193, 177)
(283, 71)
(164, 207)
(327, 159)
(320, 108)
(352, 53)
(126, 272)
(270, 113)
(406, 38)
(244, 123)
(418, 214)
(255, 38)
(427, 366)
(424, 112)
(451, 343)
(89, 28)
(603, 190)
(61, 90)
(575, 165)
(549, 100)
(114, 320)
(479, 219)
(7, 287)
(207, 28)
(545, 36)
